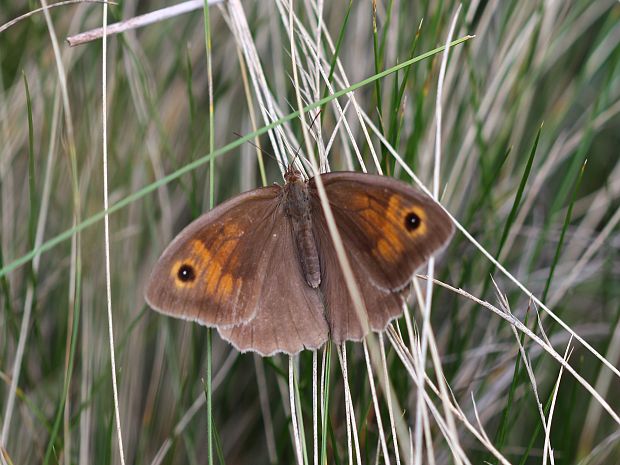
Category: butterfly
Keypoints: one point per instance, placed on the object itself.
(262, 267)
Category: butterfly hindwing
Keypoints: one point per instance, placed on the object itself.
(290, 314)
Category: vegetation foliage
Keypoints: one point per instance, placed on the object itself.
(513, 361)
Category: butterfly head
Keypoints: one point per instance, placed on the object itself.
(292, 174)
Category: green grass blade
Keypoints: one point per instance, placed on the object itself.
(32, 188)
(206, 158)
(209, 387)
(378, 64)
(567, 219)
(519, 195)
(515, 207)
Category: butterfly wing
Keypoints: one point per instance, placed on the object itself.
(290, 315)
(381, 305)
(389, 230)
(213, 271)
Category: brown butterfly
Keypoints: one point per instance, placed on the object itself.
(263, 270)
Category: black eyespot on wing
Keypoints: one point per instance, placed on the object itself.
(186, 273)
(412, 221)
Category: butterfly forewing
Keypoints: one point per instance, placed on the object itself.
(390, 227)
(388, 230)
(213, 270)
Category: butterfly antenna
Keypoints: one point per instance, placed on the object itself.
(297, 155)
(262, 150)
(270, 155)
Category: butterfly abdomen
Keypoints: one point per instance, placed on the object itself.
(297, 209)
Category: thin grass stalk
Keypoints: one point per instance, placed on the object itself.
(31, 283)
(315, 408)
(35, 11)
(106, 225)
(546, 347)
(209, 355)
(354, 444)
(137, 21)
(532, 379)
(409, 362)
(261, 89)
(571, 174)
(554, 396)
(378, 65)
(444, 390)
(36, 241)
(32, 189)
(347, 271)
(261, 382)
(80, 226)
(300, 415)
(352, 98)
(74, 285)
(426, 326)
(252, 114)
(388, 399)
(325, 378)
(428, 437)
(603, 384)
(375, 403)
(577, 269)
(294, 418)
(595, 245)
(196, 406)
(336, 49)
(317, 82)
(502, 430)
(324, 162)
(85, 417)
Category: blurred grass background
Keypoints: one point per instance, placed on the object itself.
(526, 102)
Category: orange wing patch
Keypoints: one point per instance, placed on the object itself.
(390, 246)
(389, 249)
(358, 202)
(388, 224)
(226, 285)
(213, 267)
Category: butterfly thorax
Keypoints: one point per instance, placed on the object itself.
(297, 208)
